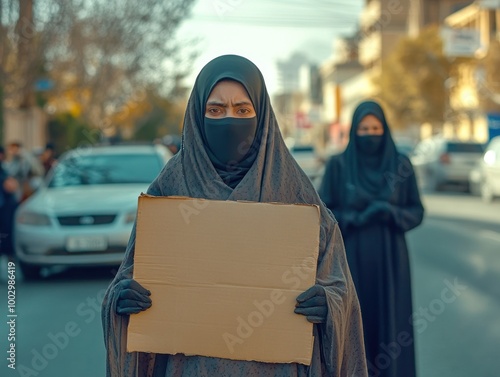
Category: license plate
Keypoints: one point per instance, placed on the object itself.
(86, 244)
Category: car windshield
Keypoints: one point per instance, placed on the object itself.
(106, 169)
(465, 148)
(404, 148)
(302, 149)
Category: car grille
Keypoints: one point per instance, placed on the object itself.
(109, 250)
(86, 220)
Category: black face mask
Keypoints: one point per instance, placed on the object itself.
(369, 144)
(230, 139)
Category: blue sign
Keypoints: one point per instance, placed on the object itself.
(42, 85)
(493, 125)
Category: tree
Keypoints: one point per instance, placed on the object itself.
(488, 79)
(413, 81)
(100, 51)
(149, 116)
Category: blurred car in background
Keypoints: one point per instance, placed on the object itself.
(84, 211)
(405, 145)
(488, 171)
(475, 178)
(309, 160)
(438, 162)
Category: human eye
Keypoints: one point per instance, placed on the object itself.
(213, 110)
(245, 111)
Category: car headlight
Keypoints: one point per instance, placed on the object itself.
(130, 217)
(33, 218)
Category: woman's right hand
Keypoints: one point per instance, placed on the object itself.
(132, 297)
(377, 211)
(10, 185)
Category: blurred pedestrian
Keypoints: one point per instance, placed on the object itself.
(371, 190)
(25, 168)
(172, 142)
(232, 149)
(8, 205)
(48, 157)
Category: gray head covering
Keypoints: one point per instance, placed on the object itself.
(268, 178)
(274, 176)
(229, 67)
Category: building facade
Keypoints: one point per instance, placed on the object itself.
(474, 84)
(348, 77)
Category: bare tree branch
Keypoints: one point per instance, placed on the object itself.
(102, 50)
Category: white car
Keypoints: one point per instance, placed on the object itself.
(309, 161)
(84, 211)
(438, 162)
(490, 171)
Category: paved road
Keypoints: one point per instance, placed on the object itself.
(58, 325)
(455, 259)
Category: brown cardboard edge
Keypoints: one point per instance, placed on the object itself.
(175, 197)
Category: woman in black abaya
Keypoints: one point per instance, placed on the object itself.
(232, 149)
(371, 190)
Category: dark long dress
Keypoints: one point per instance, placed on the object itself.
(8, 204)
(377, 252)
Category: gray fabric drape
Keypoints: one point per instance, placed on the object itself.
(273, 177)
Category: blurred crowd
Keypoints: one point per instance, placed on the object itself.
(21, 173)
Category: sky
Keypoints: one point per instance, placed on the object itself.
(266, 31)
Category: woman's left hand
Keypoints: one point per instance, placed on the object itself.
(383, 209)
(312, 304)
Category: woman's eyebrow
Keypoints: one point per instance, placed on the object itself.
(222, 104)
(243, 103)
(216, 103)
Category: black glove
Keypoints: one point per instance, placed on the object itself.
(383, 210)
(133, 297)
(366, 217)
(312, 304)
(377, 211)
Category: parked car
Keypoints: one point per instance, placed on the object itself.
(490, 171)
(405, 145)
(438, 161)
(84, 211)
(309, 160)
(475, 178)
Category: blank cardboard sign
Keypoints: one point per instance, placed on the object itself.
(223, 277)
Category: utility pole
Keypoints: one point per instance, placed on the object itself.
(25, 33)
(24, 121)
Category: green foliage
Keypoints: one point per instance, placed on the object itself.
(68, 132)
(165, 117)
(412, 83)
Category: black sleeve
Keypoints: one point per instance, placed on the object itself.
(410, 214)
(330, 191)
(327, 189)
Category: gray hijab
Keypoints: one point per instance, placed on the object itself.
(244, 72)
(274, 176)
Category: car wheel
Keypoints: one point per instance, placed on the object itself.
(30, 271)
(438, 186)
(475, 189)
(431, 183)
(486, 192)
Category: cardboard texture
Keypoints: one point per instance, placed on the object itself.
(224, 277)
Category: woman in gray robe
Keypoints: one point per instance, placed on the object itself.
(242, 158)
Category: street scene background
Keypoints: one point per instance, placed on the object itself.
(78, 76)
